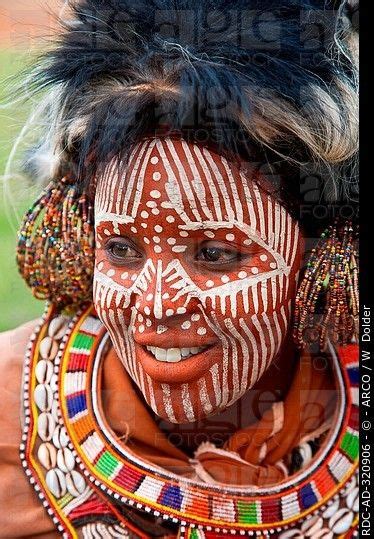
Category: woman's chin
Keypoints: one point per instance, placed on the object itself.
(180, 418)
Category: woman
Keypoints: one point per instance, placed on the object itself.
(186, 379)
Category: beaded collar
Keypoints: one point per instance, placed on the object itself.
(80, 470)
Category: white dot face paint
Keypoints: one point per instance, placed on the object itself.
(201, 331)
(224, 324)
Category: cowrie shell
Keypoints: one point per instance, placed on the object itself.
(57, 327)
(331, 509)
(65, 460)
(44, 371)
(353, 500)
(75, 483)
(60, 437)
(341, 521)
(43, 397)
(47, 455)
(323, 534)
(56, 482)
(46, 426)
(294, 534)
(48, 348)
(54, 411)
(311, 526)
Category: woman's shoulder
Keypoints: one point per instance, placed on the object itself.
(13, 345)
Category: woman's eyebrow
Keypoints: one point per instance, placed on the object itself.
(252, 234)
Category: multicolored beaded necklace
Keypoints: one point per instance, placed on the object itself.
(92, 486)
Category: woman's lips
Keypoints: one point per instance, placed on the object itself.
(184, 370)
(174, 355)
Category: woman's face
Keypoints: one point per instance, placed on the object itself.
(195, 271)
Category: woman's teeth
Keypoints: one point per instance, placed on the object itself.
(173, 355)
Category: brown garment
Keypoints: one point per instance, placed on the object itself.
(306, 413)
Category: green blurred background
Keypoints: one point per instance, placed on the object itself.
(26, 27)
(17, 304)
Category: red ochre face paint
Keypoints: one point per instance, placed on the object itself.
(195, 270)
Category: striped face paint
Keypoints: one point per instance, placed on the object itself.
(195, 270)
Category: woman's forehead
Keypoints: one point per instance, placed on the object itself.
(195, 184)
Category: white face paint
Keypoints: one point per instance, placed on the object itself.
(195, 270)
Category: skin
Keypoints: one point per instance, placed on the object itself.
(192, 253)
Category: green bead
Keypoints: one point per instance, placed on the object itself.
(326, 281)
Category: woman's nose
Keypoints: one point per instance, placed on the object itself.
(164, 293)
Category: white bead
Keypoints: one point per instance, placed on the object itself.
(352, 483)
(54, 383)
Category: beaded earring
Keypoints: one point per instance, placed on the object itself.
(327, 305)
(55, 253)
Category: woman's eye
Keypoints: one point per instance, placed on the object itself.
(217, 255)
(123, 252)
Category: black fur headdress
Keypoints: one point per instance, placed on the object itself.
(273, 80)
